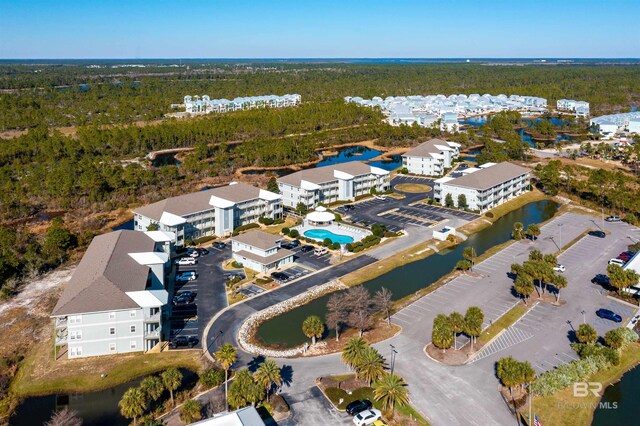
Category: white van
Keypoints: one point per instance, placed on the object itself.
(618, 262)
(320, 251)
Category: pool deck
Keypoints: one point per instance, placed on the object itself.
(336, 228)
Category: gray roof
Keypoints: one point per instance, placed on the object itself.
(490, 176)
(426, 149)
(265, 260)
(105, 273)
(195, 202)
(325, 174)
(259, 239)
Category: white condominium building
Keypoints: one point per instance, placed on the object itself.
(339, 182)
(114, 302)
(215, 211)
(485, 187)
(579, 108)
(431, 158)
(196, 105)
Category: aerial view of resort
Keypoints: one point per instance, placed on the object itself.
(319, 213)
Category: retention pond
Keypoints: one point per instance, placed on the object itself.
(285, 331)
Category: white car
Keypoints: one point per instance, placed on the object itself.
(193, 253)
(186, 261)
(559, 268)
(618, 262)
(320, 251)
(366, 417)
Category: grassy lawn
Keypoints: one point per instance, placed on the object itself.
(504, 322)
(39, 374)
(412, 187)
(562, 408)
(289, 222)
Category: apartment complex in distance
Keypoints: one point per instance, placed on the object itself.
(579, 108)
(113, 303)
(206, 105)
(484, 187)
(328, 184)
(431, 158)
(215, 211)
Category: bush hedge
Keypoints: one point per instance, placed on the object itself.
(365, 243)
(237, 264)
(564, 376)
(203, 240)
(294, 233)
(266, 221)
(327, 242)
(246, 227)
(286, 230)
(335, 246)
(489, 215)
(211, 378)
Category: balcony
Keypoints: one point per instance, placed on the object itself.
(153, 318)
(61, 322)
(61, 339)
(155, 334)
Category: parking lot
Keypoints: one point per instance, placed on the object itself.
(308, 262)
(209, 286)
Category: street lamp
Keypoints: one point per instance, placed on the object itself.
(584, 321)
(560, 226)
(393, 357)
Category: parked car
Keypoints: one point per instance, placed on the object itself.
(306, 249)
(186, 261)
(320, 251)
(602, 280)
(183, 341)
(610, 315)
(559, 268)
(613, 219)
(380, 197)
(219, 245)
(295, 243)
(358, 406)
(186, 276)
(279, 276)
(367, 417)
(193, 253)
(182, 300)
(616, 262)
(187, 294)
(287, 246)
(202, 251)
(348, 207)
(599, 234)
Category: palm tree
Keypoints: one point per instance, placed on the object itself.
(614, 339)
(371, 365)
(442, 333)
(473, 320)
(587, 334)
(244, 390)
(353, 350)
(313, 327)
(152, 387)
(456, 321)
(191, 411)
(171, 380)
(559, 282)
(523, 285)
(507, 372)
(390, 390)
(517, 231)
(268, 374)
(226, 356)
(133, 404)
(534, 231)
(470, 255)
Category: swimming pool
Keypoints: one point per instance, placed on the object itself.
(321, 234)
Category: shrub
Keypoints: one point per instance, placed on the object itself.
(211, 378)
(266, 221)
(203, 240)
(463, 265)
(246, 227)
(632, 219)
(286, 231)
(489, 215)
(378, 230)
(338, 217)
(349, 247)
(451, 238)
(430, 202)
(294, 233)
(335, 246)
(236, 264)
(586, 351)
(278, 404)
(327, 242)
(388, 234)
(564, 376)
(404, 170)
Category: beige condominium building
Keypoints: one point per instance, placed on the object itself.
(431, 158)
(486, 186)
(216, 211)
(260, 251)
(328, 184)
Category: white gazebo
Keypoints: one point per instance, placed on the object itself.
(320, 217)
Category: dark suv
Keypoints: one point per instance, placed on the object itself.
(358, 406)
(183, 341)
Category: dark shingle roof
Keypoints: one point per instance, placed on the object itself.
(105, 273)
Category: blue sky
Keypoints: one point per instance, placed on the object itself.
(318, 28)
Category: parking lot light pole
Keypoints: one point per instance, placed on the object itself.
(584, 321)
(393, 357)
(560, 226)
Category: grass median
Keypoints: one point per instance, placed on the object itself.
(504, 322)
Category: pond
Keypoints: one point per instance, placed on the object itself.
(285, 330)
(478, 121)
(344, 155)
(95, 408)
(127, 226)
(165, 160)
(623, 396)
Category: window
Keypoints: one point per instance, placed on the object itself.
(112, 315)
(132, 314)
(75, 335)
(133, 344)
(112, 347)
(112, 331)
(75, 319)
(75, 351)
(133, 328)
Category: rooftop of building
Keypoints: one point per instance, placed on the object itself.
(432, 146)
(488, 177)
(259, 239)
(330, 173)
